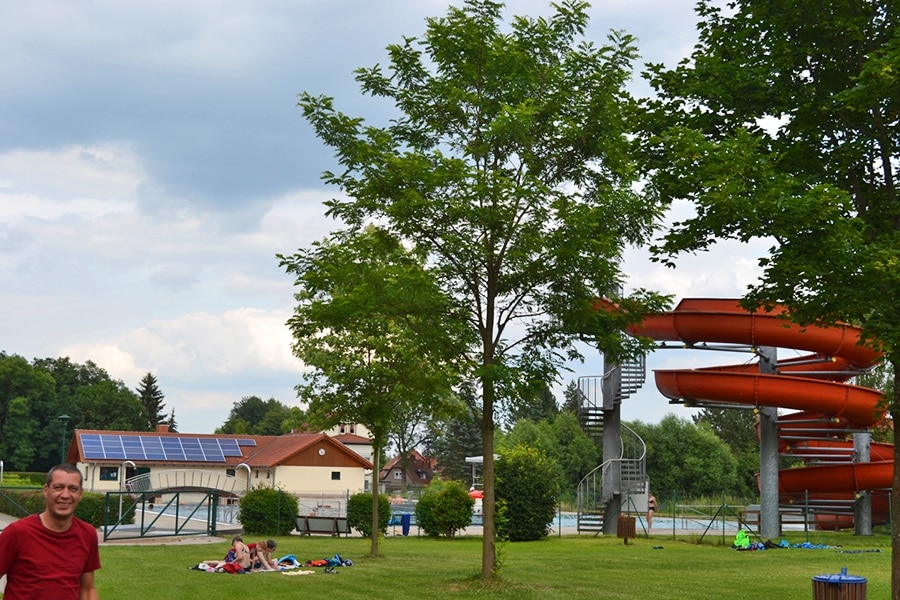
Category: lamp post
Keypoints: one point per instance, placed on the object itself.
(62, 452)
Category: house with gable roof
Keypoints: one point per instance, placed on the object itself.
(355, 436)
(415, 473)
(298, 463)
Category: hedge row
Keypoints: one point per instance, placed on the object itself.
(22, 502)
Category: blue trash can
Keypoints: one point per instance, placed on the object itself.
(839, 587)
(405, 521)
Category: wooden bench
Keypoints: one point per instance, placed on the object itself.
(310, 524)
(786, 516)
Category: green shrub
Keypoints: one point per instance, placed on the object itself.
(22, 479)
(444, 508)
(93, 505)
(527, 483)
(359, 513)
(32, 501)
(267, 511)
(90, 509)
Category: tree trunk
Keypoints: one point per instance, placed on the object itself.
(488, 548)
(376, 526)
(895, 488)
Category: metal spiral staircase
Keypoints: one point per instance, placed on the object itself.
(624, 477)
(600, 394)
(623, 472)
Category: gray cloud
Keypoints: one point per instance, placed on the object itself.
(153, 162)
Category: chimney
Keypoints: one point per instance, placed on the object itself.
(162, 428)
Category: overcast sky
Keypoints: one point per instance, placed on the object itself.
(153, 162)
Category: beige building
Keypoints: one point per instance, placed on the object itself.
(302, 464)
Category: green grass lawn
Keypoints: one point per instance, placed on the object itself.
(567, 567)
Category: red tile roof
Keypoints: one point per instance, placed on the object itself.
(269, 451)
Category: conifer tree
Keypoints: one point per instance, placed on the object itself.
(152, 402)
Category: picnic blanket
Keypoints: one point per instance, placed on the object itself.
(285, 563)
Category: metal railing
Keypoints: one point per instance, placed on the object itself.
(185, 479)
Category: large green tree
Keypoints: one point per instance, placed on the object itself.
(687, 459)
(380, 339)
(34, 396)
(737, 428)
(30, 430)
(253, 415)
(507, 166)
(108, 405)
(784, 125)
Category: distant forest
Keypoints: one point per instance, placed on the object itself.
(43, 401)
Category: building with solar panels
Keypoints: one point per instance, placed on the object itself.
(302, 464)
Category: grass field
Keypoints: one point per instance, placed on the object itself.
(568, 567)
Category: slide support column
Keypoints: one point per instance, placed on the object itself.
(612, 445)
(862, 508)
(769, 519)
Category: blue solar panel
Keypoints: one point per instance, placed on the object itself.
(229, 447)
(246, 442)
(91, 446)
(211, 450)
(112, 446)
(160, 448)
(153, 449)
(133, 447)
(192, 450)
(172, 448)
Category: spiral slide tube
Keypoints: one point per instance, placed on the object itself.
(813, 385)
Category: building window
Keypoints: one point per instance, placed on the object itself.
(109, 473)
(398, 474)
(335, 475)
(423, 475)
(230, 472)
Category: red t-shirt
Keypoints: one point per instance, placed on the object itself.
(40, 563)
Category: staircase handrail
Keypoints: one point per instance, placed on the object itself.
(621, 458)
(608, 475)
(639, 439)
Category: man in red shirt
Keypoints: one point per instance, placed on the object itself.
(52, 554)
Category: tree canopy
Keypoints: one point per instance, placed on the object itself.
(507, 168)
(784, 124)
(255, 416)
(380, 339)
(33, 397)
(683, 457)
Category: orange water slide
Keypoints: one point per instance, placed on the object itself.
(813, 383)
(723, 321)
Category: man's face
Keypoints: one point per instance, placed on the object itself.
(62, 494)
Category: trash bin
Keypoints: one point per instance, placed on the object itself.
(405, 521)
(839, 587)
(625, 527)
